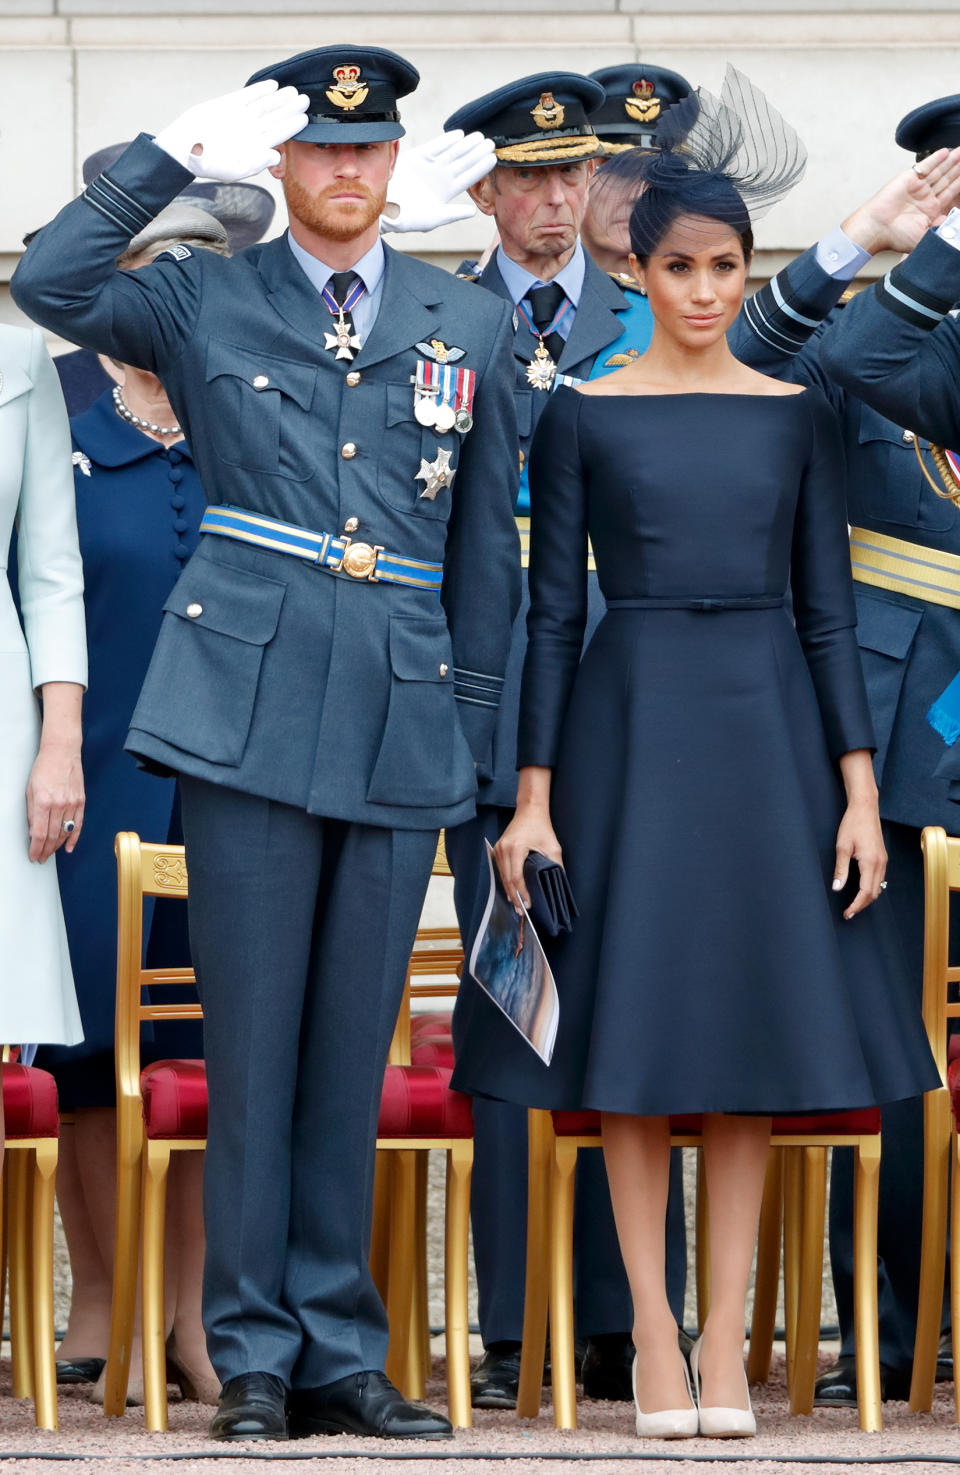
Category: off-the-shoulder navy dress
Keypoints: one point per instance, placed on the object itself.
(696, 791)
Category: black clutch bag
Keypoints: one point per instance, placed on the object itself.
(552, 906)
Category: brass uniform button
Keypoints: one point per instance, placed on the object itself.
(444, 668)
(348, 451)
(909, 437)
(194, 610)
(261, 381)
(353, 378)
(351, 524)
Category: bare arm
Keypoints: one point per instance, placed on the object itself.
(55, 787)
(860, 837)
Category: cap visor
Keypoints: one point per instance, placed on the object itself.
(356, 132)
(522, 156)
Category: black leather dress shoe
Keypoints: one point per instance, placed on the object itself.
(495, 1379)
(252, 1406)
(364, 1403)
(607, 1365)
(80, 1370)
(838, 1387)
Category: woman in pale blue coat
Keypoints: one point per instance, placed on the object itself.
(41, 783)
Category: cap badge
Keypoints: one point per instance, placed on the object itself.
(547, 113)
(349, 92)
(643, 107)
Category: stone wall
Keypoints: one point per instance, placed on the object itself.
(75, 74)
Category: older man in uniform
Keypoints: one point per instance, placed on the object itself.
(891, 363)
(315, 684)
(571, 322)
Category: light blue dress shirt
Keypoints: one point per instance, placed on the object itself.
(369, 268)
(519, 282)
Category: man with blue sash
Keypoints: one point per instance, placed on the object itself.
(315, 680)
(890, 362)
(572, 322)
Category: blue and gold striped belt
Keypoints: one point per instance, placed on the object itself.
(523, 528)
(905, 568)
(338, 554)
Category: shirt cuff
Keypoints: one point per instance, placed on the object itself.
(949, 231)
(840, 257)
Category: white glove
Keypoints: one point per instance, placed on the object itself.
(426, 179)
(236, 135)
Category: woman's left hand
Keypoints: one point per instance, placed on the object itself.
(54, 794)
(860, 838)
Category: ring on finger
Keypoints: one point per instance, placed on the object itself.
(68, 826)
(918, 171)
(883, 885)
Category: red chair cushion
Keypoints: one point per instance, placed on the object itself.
(953, 1048)
(175, 1099)
(953, 1086)
(432, 1052)
(587, 1123)
(417, 1102)
(435, 1024)
(29, 1102)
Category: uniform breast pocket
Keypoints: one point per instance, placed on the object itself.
(891, 483)
(417, 473)
(424, 759)
(261, 411)
(202, 683)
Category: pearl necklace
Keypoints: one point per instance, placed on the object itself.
(127, 414)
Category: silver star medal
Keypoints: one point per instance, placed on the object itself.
(435, 474)
(344, 340)
(79, 459)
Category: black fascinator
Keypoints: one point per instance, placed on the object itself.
(728, 158)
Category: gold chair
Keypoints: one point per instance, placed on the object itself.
(941, 867)
(29, 1177)
(144, 1138)
(556, 1139)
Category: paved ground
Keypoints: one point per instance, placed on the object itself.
(605, 1443)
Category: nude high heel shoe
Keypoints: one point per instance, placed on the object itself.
(722, 1423)
(666, 1423)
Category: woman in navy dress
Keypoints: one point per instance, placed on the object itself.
(139, 505)
(706, 770)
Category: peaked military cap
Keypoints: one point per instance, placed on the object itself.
(636, 96)
(353, 92)
(244, 210)
(542, 119)
(933, 125)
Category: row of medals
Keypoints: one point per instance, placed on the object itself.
(440, 415)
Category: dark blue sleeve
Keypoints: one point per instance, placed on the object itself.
(896, 348)
(776, 322)
(822, 587)
(68, 280)
(558, 578)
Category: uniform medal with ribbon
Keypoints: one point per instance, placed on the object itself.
(443, 397)
(343, 342)
(541, 368)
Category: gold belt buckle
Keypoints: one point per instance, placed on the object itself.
(359, 560)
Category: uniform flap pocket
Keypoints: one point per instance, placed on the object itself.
(231, 601)
(13, 383)
(523, 403)
(400, 400)
(874, 426)
(884, 626)
(420, 650)
(263, 371)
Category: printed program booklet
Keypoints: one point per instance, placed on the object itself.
(510, 965)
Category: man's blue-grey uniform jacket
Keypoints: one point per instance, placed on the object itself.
(894, 353)
(772, 326)
(367, 702)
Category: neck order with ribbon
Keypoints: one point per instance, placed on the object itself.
(343, 342)
(542, 368)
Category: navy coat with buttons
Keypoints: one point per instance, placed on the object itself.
(352, 700)
(910, 649)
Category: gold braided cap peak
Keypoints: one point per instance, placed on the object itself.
(546, 150)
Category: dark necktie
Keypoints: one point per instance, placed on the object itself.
(340, 284)
(545, 303)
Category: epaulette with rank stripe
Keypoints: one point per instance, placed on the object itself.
(625, 281)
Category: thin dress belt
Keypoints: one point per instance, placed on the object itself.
(704, 606)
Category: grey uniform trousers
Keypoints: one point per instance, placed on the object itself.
(498, 1203)
(300, 929)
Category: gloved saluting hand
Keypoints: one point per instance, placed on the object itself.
(428, 178)
(233, 136)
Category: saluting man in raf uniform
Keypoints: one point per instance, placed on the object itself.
(891, 364)
(571, 322)
(359, 565)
